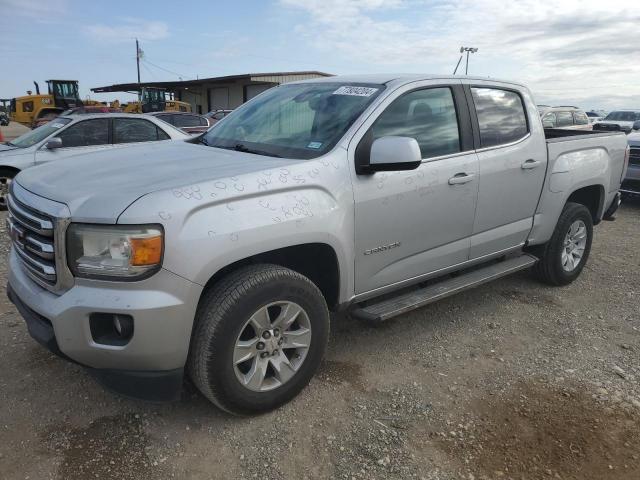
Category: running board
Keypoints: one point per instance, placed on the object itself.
(391, 307)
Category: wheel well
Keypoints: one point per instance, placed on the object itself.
(12, 169)
(591, 197)
(316, 261)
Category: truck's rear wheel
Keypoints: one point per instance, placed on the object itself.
(565, 255)
(259, 337)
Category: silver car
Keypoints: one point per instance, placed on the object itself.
(72, 135)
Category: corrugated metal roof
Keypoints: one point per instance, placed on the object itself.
(125, 87)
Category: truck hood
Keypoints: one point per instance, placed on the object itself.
(99, 186)
(6, 148)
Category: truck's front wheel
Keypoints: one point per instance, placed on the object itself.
(564, 256)
(259, 337)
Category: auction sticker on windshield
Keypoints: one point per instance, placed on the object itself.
(57, 125)
(356, 91)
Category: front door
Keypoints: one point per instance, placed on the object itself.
(81, 137)
(410, 223)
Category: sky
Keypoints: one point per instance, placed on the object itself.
(572, 52)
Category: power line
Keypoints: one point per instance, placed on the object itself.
(163, 69)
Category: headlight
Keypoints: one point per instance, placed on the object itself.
(119, 252)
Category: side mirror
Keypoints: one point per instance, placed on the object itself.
(547, 124)
(53, 143)
(394, 153)
(636, 125)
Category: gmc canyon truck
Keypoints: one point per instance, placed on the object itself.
(221, 257)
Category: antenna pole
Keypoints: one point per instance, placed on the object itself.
(457, 65)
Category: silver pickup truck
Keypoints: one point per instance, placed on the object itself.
(222, 256)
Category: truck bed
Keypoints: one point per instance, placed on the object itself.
(561, 135)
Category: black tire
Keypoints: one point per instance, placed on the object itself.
(549, 269)
(222, 313)
(6, 175)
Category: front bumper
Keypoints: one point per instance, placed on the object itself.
(631, 183)
(162, 306)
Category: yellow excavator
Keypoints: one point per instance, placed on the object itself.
(155, 100)
(32, 108)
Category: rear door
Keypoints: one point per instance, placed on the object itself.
(412, 223)
(512, 160)
(81, 137)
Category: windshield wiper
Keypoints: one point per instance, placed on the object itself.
(240, 147)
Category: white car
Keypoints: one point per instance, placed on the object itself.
(72, 135)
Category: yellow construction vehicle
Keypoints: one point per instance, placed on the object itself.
(62, 95)
(155, 100)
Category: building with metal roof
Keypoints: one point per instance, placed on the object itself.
(218, 93)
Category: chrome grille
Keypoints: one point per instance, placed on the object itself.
(634, 156)
(32, 236)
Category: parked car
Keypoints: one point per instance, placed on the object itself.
(631, 183)
(619, 120)
(4, 119)
(595, 116)
(570, 118)
(215, 116)
(191, 123)
(222, 256)
(73, 135)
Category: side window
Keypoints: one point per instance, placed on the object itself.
(162, 135)
(549, 120)
(427, 115)
(131, 130)
(86, 133)
(501, 116)
(186, 121)
(166, 118)
(580, 118)
(565, 119)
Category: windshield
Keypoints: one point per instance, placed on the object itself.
(300, 121)
(623, 116)
(37, 135)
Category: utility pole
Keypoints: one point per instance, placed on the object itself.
(138, 66)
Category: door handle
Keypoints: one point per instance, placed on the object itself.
(460, 178)
(529, 164)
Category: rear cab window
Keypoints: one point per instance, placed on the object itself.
(501, 116)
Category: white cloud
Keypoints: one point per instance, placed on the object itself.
(574, 50)
(33, 8)
(128, 29)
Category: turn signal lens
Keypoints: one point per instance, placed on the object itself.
(146, 251)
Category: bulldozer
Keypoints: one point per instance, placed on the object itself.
(31, 108)
(155, 100)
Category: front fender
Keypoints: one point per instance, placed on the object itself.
(216, 223)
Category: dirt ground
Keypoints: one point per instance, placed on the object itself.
(13, 130)
(512, 380)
